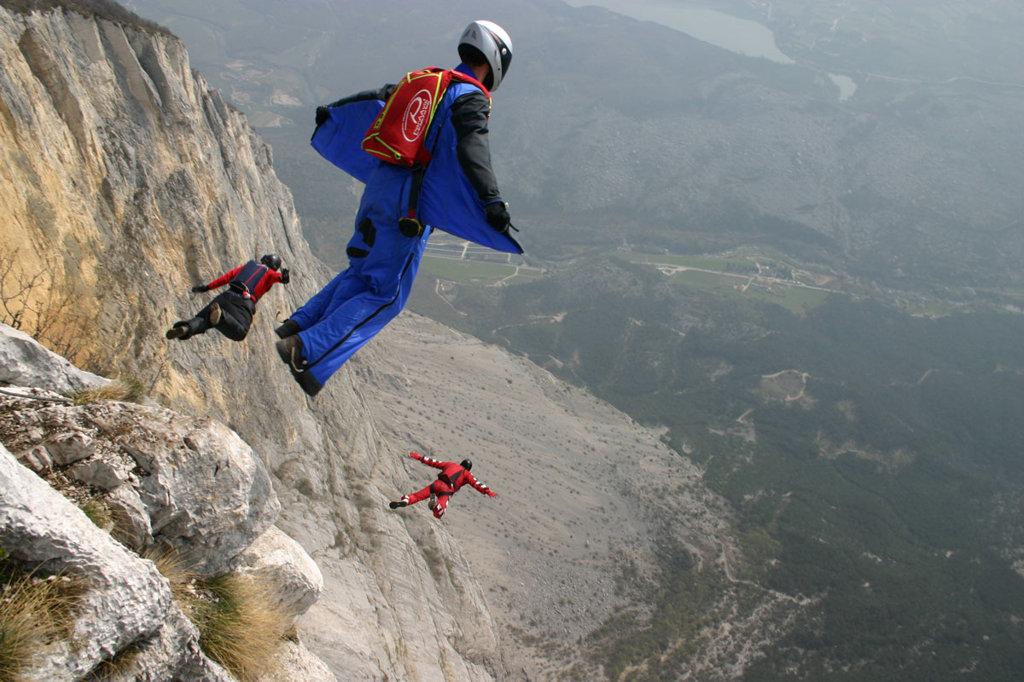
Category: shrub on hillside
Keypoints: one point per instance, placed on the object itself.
(102, 9)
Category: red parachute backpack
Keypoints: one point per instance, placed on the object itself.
(399, 132)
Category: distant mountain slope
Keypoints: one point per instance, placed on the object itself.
(603, 542)
(872, 457)
(610, 129)
(915, 39)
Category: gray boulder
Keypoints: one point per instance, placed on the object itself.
(278, 560)
(70, 447)
(206, 491)
(125, 599)
(24, 362)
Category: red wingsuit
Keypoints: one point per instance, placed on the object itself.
(452, 477)
(255, 288)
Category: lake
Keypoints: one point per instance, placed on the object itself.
(742, 36)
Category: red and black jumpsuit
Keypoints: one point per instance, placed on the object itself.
(452, 477)
(249, 281)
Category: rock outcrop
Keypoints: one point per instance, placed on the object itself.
(173, 486)
(25, 362)
(191, 485)
(279, 560)
(125, 599)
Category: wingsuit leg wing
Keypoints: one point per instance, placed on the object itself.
(376, 288)
(344, 286)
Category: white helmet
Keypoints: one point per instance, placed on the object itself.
(494, 43)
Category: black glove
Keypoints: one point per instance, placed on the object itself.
(322, 114)
(286, 276)
(498, 217)
(200, 288)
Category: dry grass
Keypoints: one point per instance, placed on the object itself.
(240, 625)
(181, 579)
(126, 390)
(34, 612)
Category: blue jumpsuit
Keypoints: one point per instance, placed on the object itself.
(383, 263)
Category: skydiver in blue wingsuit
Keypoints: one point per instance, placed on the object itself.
(424, 168)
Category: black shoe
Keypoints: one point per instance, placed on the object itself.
(287, 328)
(178, 331)
(214, 315)
(290, 351)
(396, 505)
(307, 383)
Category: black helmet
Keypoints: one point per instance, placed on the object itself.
(271, 261)
(466, 464)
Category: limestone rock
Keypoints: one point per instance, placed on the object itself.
(203, 490)
(208, 494)
(280, 561)
(105, 474)
(70, 447)
(37, 459)
(131, 521)
(24, 362)
(297, 664)
(125, 599)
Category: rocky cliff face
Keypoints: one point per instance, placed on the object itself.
(93, 487)
(125, 180)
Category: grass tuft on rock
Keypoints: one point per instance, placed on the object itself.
(126, 390)
(241, 627)
(34, 611)
(181, 579)
(240, 624)
(119, 666)
(98, 512)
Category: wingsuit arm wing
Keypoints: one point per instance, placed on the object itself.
(480, 486)
(470, 114)
(429, 461)
(340, 128)
(224, 279)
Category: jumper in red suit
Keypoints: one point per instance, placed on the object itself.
(259, 282)
(248, 282)
(452, 477)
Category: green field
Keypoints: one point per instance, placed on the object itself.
(796, 299)
(469, 271)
